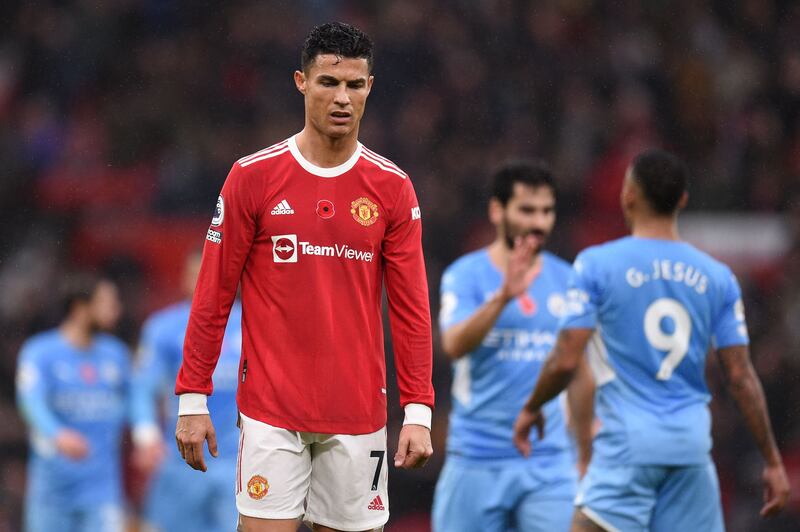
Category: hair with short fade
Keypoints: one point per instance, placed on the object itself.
(339, 39)
(77, 287)
(532, 173)
(663, 179)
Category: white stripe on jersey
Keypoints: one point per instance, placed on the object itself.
(263, 152)
(266, 156)
(382, 165)
(386, 161)
(598, 359)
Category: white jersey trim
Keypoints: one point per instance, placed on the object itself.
(596, 519)
(598, 359)
(384, 160)
(265, 151)
(393, 169)
(312, 168)
(268, 155)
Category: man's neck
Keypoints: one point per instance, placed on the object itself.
(324, 151)
(76, 333)
(656, 227)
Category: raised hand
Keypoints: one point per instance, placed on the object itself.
(519, 272)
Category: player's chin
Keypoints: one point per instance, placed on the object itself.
(339, 131)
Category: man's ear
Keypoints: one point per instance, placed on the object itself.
(495, 211)
(684, 201)
(300, 81)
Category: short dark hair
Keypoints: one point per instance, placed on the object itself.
(533, 173)
(339, 39)
(77, 287)
(663, 179)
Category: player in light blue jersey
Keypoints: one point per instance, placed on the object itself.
(72, 390)
(500, 308)
(178, 499)
(656, 304)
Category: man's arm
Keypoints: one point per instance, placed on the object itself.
(465, 336)
(32, 391)
(410, 321)
(580, 397)
(557, 372)
(227, 246)
(146, 388)
(745, 387)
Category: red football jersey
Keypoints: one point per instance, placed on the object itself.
(311, 247)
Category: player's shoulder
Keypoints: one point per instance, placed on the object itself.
(469, 263)
(600, 253)
(381, 165)
(40, 344)
(714, 267)
(265, 156)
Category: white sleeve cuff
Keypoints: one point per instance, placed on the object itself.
(417, 414)
(146, 434)
(192, 404)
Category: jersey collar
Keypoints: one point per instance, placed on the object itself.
(318, 170)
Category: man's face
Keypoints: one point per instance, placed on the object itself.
(529, 211)
(105, 307)
(335, 90)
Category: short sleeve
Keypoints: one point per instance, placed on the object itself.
(459, 297)
(729, 326)
(33, 388)
(583, 295)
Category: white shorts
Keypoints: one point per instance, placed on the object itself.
(335, 480)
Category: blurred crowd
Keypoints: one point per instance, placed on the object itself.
(119, 120)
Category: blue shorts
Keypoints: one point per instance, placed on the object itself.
(652, 498)
(181, 498)
(47, 518)
(528, 495)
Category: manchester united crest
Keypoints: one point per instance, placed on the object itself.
(364, 211)
(257, 487)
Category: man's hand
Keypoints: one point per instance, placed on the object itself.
(522, 429)
(519, 273)
(776, 489)
(148, 457)
(414, 447)
(190, 433)
(72, 444)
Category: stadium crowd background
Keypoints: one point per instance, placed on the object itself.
(119, 120)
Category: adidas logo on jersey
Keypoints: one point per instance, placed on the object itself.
(282, 208)
(376, 504)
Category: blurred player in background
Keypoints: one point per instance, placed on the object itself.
(311, 227)
(500, 309)
(658, 304)
(178, 500)
(72, 390)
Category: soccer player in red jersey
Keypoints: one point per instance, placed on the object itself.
(311, 227)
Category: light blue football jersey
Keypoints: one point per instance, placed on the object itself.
(492, 383)
(60, 386)
(657, 306)
(159, 359)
